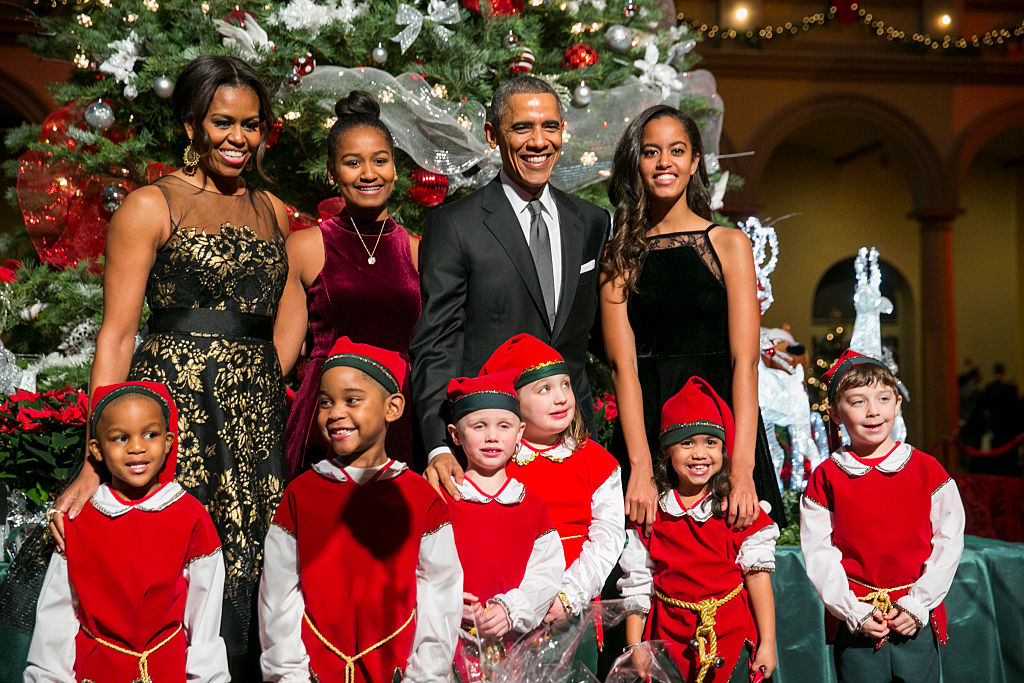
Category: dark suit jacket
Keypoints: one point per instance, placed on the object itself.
(479, 287)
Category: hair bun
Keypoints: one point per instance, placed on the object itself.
(357, 103)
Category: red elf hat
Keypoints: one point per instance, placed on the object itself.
(529, 357)
(846, 361)
(696, 409)
(105, 395)
(468, 394)
(386, 367)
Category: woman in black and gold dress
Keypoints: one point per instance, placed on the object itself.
(678, 299)
(207, 253)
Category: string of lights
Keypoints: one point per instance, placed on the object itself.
(878, 27)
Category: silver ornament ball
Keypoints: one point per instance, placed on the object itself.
(99, 115)
(112, 196)
(619, 37)
(294, 80)
(582, 95)
(379, 54)
(163, 87)
(512, 40)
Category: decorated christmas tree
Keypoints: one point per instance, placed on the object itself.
(433, 65)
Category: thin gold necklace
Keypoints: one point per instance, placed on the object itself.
(371, 259)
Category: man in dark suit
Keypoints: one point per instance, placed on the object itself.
(515, 256)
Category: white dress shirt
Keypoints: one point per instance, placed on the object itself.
(520, 200)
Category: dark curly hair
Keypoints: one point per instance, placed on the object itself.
(199, 82)
(358, 108)
(626, 191)
(666, 479)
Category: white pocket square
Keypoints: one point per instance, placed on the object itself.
(588, 266)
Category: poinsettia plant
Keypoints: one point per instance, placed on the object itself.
(606, 411)
(42, 438)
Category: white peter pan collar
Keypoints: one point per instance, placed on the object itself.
(510, 494)
(559, 453)
(110, 505)
(671, 505)
(359, 475)
(893, 462)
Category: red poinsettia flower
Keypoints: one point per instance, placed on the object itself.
(611, 408)
(22, 395)
(7, 275)
(72, 414)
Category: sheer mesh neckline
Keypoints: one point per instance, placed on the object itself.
(196, 211)
(245, 188)
(698, 240)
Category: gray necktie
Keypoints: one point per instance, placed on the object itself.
(540, 248)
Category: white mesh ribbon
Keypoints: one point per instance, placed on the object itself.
(448, 137)
(440, 135)
(700, 84)
(438, 12)
(591, 133)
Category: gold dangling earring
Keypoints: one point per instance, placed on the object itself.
(191, 159)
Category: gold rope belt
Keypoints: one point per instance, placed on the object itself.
(879, 597)
(706, 639)
(142, 656)
(350, 662)
(569, 538)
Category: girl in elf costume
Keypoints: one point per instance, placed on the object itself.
(577, 479)
(137, 594)
(696, 582)
(511, 577)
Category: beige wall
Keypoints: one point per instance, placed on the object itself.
(986, 268)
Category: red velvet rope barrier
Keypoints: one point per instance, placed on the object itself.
(975, 453)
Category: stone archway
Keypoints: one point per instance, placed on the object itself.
(929, 184)
(979, 132)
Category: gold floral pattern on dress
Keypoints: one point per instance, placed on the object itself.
(229, 390)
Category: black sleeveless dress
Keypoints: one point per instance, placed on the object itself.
(679, 314)
(213, 292)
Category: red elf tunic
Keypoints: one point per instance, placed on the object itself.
(366, 557)
(582, 491)
(892, 523)
(509, 550)
(137, 575)
(692, 556)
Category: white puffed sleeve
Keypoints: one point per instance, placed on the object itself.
(757, 552)
(637, 583)
(51, 655)
(947, 521)
(527, 605)
(206, 658)
(605, 538)
(281, 607)
(823, 562)
(438, 608)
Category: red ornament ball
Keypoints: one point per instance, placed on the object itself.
(274, 134)
(428, 188)
(578, 56)
(304, 65)
(499, 8)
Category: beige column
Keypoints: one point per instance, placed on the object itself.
(938, 332)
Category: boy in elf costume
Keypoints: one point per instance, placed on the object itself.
(577, 479)
(510, 552)
(137, 593)
(511, 555)
(361, 580)
(882, 532)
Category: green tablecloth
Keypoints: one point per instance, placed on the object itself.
(986, 618)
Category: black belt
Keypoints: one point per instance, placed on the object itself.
(212, 321)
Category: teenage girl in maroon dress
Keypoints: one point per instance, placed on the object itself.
(355, 275)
